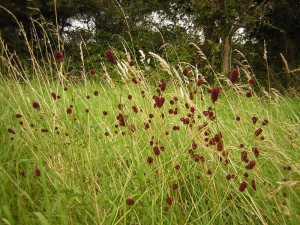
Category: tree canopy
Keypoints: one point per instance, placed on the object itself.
(148, 25)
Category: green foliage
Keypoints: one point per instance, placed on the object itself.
(113, 23)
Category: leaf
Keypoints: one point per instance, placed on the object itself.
(42, 218)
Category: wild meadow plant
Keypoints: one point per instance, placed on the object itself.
(88, 150)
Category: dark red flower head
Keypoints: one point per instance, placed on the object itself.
(234, 75)
(36, 105)
(92, 71)
(175, 186)
(250, 165)
(214, 94)
(243, 186)
(177, 167)
(150, 160)
(185, 72)
(169, 200)
(255, 151)
(19, 115)
(159, 101)
(265, 122)
(253, 185)
(129, 201)
(131, 63)
(58, 56)
(258, 131)
(10, 130)
(110, 57)
(251, 81)
(248, 94)
(37, 172)
(163, 85)
(199, 82)
(69, 110)
(121, 119)
(254, 119)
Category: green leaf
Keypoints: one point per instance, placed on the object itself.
(42, 218)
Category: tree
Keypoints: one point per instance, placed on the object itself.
(220, 19)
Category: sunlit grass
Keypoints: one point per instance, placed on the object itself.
(90, 165)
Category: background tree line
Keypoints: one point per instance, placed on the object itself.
(167, 27)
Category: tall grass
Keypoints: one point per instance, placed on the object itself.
(88, 150)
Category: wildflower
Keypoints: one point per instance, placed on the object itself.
(177, 167)
(11, 131)
(255, 151)
(258, 132)
(19, 115)
(214, 94)
(131, 63)
(175, 186)
(185, 72)
(96, 93)
(243, 186)
(121, 120)
(234, 75)
(191, 95)
(176, 128)
(150, 160)
(253, 185)
(159, 101)
(129, 201)
(69, 110)
(134, 108)
(217, 137)
(250, 165)
(58, 56)
(265, 122)
(53, 95)
(37, 172)
(194, 145)
(199, 82)
(254, 119)
(244, 156)
(92, 71)
(110, 57)
(163, 85)
(209, 172)
(156, 151)
(169, 200)
(219, 145)
(105, 113)
(251, 81)
(36, 105)
(248, 94)
(147, 126)
(228, 177)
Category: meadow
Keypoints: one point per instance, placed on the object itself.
(86, 149)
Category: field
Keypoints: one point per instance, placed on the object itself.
(180, 151)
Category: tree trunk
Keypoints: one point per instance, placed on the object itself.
(226, 53)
